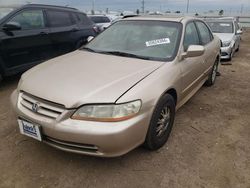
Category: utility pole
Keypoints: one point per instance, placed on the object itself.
(241, 9)
(187, 6)
(143, 6)
(93, 5)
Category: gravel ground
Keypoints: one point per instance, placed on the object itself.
(209, 146)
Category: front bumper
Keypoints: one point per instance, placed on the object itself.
(226, 52)
(105, 139)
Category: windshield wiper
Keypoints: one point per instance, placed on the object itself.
(124, 54)
(88, 49)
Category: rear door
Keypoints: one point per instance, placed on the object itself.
(206, 38)
(62, 30)
(27, 46)
(191, 67)
(86, 28)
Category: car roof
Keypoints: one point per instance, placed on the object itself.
(98, 15)
(219, 20)
(163, 18)
(64, 8)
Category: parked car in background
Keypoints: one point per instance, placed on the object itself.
(33, 33)
(101, 21)
(229, 32)
(121, 90)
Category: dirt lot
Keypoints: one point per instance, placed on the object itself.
(209, 146)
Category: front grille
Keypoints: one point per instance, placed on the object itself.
(81, 148)
(224, 54)
(42, 107)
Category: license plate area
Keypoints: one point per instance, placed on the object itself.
(30, 129)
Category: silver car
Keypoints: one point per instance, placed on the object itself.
(101, 21)
(121, 90)
(228, 30)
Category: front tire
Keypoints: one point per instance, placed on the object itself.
(161, 123)
(238, 49)
(232, 54)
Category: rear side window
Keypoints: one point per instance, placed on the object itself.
(205, 33)
(59, 18)
(191, 36)
(30, 19)
(84, 19)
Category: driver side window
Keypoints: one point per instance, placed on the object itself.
(191, 36)
(30, 19)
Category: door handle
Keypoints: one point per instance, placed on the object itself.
(74, 30)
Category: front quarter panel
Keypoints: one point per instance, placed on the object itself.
(149, 90)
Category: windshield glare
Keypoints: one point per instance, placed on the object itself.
(5, 11)
(157, 40)
(221, 27)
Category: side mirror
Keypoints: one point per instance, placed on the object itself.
(194, 51)
(90, 38)
(239, 32)
(12, 26)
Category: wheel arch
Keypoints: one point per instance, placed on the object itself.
(173, 93)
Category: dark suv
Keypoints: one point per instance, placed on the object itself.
(34, 33)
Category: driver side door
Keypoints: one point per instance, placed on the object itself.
(29, 45)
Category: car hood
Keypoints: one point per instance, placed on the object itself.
(224, 37)
(83, 77)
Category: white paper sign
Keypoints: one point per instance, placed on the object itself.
(157, 42)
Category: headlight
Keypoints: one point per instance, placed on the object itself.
(108, 112)
(226, 43)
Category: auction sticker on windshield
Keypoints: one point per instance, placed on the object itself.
(29, 129)
(157, 42)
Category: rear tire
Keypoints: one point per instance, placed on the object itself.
(161, 123)
(212, 75)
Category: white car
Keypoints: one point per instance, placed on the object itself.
(228, 30)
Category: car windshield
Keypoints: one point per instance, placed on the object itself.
(151, 40)
(4, 11)
(100, 19)
(221, 27)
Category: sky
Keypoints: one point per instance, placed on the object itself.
(151, 5)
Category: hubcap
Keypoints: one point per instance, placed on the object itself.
(163, 121)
